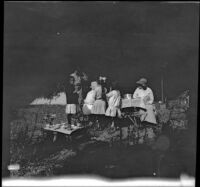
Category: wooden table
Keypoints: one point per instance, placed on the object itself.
(58, 128)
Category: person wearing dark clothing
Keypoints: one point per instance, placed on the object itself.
(85, 88)
(72, 100)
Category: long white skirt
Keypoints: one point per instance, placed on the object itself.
(148, 115)
(87, 108)
(99, 107)
(113, 111)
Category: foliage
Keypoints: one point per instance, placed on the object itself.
(26, 134)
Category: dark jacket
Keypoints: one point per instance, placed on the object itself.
(72, 98)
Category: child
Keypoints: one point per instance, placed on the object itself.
(72, 100)
(114, 100)
(89, 102)
(99, 106)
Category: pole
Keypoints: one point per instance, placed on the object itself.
(162, 88)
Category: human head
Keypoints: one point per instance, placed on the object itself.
(142, 83)
(71, 80)
(103, 79)
(114, 85)
(94, 84)
(77, 86)
(85, 77)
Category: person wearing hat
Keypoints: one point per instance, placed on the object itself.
(146, 95)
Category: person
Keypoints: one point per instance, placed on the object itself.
(90, 99)
(104, 83)
(77, 77)
(72, 100)
(81, 79)
(114, 101)
(78, 90)
(99, 106)
(85, 85)
(146, 94)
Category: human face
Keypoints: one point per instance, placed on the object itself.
(142, 86)
(71, 81)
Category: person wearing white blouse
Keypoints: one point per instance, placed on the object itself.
(114, 101)
(146, 94)
(90, 99)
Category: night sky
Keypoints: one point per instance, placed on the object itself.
(45, 41)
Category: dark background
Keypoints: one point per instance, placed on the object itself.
(45, 41)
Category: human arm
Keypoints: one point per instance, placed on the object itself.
(109, 94)
(150, 97)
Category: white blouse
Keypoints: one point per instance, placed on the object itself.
(90, 98)
(144, 94)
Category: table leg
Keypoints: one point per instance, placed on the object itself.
(120, 134)
(54, 136)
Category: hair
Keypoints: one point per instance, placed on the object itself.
(99, 82)
(115, 85)
(71, 77)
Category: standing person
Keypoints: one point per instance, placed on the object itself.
(114, 101)
(104, 84)
(77, 77)
(99, 106)
(85, 85)
(72, 100)
(78, 91)
(81, 79)
(145, 93)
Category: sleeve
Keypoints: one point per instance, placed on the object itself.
(135, 94)
(151, 96)
(109, 94)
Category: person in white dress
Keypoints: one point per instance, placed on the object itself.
(146, 94)
(90, 99)
(114, 101)
(99, 106)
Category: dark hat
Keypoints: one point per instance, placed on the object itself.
(142, 81)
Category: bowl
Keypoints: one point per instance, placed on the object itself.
(127, 96)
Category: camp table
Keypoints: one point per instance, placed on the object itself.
(59, 128)
(129, 107)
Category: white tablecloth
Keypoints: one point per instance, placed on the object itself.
(132, 103)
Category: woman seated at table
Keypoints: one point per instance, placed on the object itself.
(89, 100)
(146, 94)
(114, 101)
